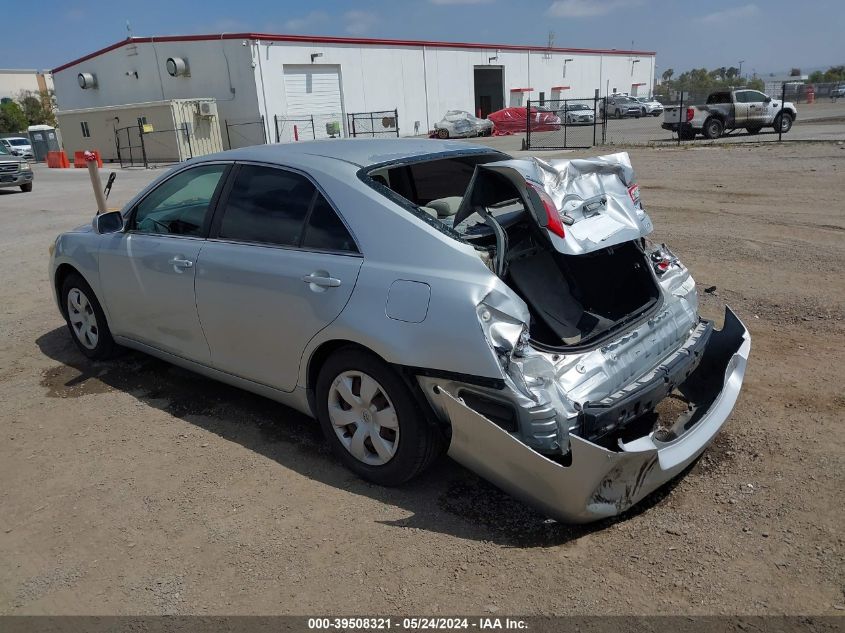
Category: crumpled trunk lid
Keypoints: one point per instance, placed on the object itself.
(596, 200)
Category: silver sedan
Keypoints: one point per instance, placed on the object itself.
(419, 295)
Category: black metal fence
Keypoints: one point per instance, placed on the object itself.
(140, 147)
(292, 129)
(562, 123)
(245, 133)
(372, 124)
(675, 117)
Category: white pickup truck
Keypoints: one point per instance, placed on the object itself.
(730, 110)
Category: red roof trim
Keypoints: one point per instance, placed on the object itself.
(561, 87)
(521, 89)
(312, 39)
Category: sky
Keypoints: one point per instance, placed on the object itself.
(770, 36)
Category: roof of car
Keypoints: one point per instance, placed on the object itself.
(360, 152)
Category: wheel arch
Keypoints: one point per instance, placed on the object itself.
(63, 271)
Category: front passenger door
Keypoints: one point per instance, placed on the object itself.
(279, 266)
(147, 271)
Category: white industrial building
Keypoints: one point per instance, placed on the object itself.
(264, 85)
(14, 81)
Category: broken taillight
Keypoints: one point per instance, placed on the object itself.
(552, 214)
(690, 114)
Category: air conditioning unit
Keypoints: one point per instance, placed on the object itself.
(207, 109)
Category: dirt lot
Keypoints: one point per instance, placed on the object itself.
(134, 487)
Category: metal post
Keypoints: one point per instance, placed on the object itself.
(143, 147)
(313, 129)
(264, 130)
(682, 116)
(782, 101)
(188, 139)
(372, 125)
(228, 138)
(396, 120)
(595, 112)
(528, 124)
(276, 125)
(565, 126)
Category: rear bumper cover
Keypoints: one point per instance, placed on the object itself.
(600, 483)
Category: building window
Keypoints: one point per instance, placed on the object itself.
(86, 133)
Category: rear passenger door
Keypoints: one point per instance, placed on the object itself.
(279, 266)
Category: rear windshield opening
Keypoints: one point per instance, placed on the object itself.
(437, 187)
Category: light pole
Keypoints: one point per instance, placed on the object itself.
(740, 68)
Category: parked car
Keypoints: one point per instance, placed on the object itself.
(838, 92)
(515, 120)
(649, 106)
(621, 106)
(414, 294)
(461, 124)
(728, 110)
(18, 146)
(15, 171)
(577, 114)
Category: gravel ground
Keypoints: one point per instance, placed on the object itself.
(134, 487)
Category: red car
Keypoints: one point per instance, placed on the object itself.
(513, 120)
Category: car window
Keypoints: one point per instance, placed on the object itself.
(721, 97)
(179, 205)
(267, 205)
(3, 149)
(752, 96)
(18, 141)
(325, 231)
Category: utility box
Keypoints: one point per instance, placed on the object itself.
(43, 139)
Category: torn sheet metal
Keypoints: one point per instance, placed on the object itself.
(597, 198)
(600, 483)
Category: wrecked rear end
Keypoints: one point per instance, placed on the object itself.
(612, 383)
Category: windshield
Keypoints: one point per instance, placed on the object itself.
(18, 141)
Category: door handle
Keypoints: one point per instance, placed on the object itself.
(321, 280)
(181, 263)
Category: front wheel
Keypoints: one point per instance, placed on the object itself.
(86, 319)
(618, 114)
(371, 420)
(783, 122)
(27, 187)
(442, 133)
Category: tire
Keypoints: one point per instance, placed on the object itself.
(85, 319)
(443, 133)
(27, 187)
(713, 128)
(783, 122)
(618, 113)
(644, 113)
(395, 454)
(753, 130)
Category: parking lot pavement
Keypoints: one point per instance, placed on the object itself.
(131, 486)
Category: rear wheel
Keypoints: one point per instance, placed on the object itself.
(85, 319)
(27, 187)
(618, 113)
(713, 128)
(783, 122)
(371, 420)
(644, 112)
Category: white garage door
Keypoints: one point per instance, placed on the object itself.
(311, 91)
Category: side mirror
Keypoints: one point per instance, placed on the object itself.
(110, 222)
(767, 99)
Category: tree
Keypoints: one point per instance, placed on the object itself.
(12, 118)
(38, 107)
(667, 74)
(732, 73)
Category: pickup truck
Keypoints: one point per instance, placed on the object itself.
(730, 110)
(14, 171)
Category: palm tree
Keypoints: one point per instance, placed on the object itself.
(667, 74)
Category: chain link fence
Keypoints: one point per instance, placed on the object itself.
(243, 133)
(562, 123)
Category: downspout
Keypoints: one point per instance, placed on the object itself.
(425, 87)
(158, 67)
(263, 92)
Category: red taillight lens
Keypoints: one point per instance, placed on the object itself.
(690, 114)
(552, 214)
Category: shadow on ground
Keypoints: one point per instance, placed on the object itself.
(446, 499)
